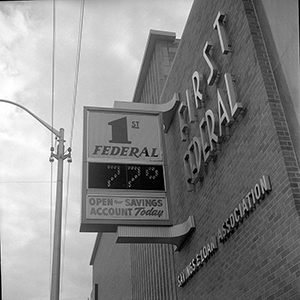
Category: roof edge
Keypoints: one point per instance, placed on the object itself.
(153, 37)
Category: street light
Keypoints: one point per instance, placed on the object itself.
(60, 156)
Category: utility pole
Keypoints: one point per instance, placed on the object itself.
(60, 156)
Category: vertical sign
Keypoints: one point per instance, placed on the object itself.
(124, 176)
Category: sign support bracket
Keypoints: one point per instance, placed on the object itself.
(167, 109)
(176, 235)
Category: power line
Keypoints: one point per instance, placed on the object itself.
(52, 121)
(79, 42)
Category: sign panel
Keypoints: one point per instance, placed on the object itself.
(125, 136)
(113, 207)
(124, 177)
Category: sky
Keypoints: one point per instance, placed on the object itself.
(114, 36)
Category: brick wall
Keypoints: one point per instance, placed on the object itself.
(153, 274)
(161, 62)
(261, 258)
(111, 269)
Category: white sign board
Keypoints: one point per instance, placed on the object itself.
(127, 136)
(124, 177)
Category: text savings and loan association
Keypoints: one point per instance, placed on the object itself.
(237, 217)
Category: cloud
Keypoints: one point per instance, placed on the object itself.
(17, 41)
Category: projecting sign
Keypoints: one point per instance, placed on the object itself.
(124, 136)
(124, 176)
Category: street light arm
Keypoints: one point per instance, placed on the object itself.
(56, 132)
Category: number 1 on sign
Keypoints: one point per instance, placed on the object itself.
(119, 131)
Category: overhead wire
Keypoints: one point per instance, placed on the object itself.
(79, 42)
(52, 123)
(75, 89)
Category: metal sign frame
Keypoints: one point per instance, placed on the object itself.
(110, 122)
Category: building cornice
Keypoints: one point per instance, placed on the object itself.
(154, 36)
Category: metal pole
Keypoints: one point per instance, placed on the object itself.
(55, 279)
(60, 156)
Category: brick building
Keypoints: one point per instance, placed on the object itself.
(233, 155)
